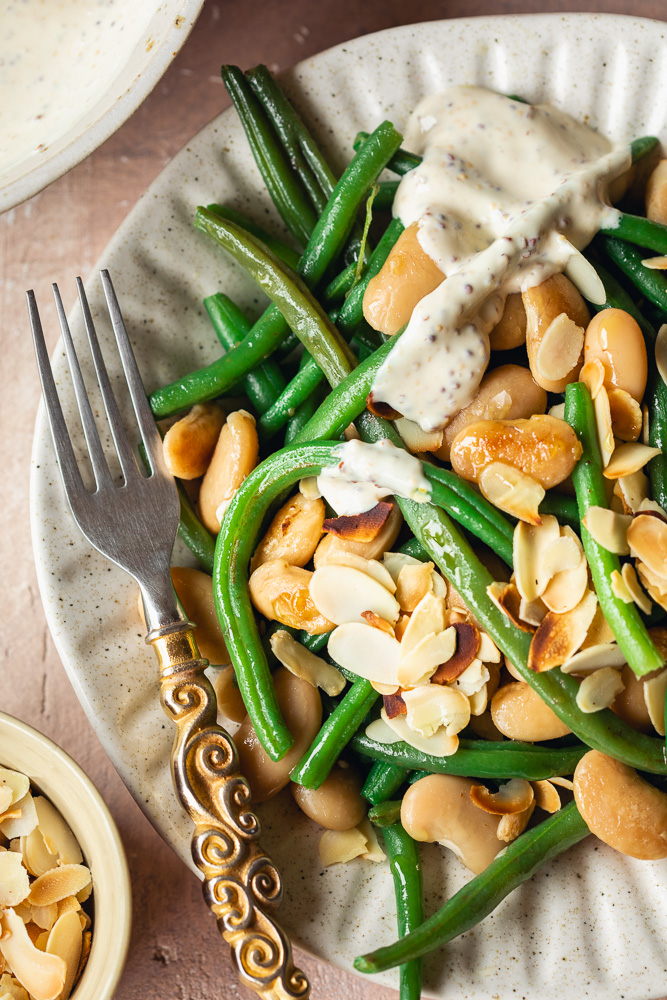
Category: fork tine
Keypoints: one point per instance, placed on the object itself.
(61, 439)
(145, 418)
(126, 457)
(96, 454)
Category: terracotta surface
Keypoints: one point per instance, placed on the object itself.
(175, 951)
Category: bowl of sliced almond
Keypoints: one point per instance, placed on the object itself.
(65, 896)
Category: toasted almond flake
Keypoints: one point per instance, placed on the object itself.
(586, 661)
(479, 701)
(559, 636)
(583, 275)
(418, 664)
(608, 529)
(400, 626)
(438, 745)
(557, 411)
(529, 544)
(416, 440)
(559, 348)
(603, 426)
(341, 846)
(394, 562)
(473, 679)
(632, 489)
(42, 975)
(546, 796)
(563, 782)
(619, 588)
(468, 641)
(16, 783)
(566, 589)
(494, 593)
(306, 665)
(655, 264)
(651, 507)
(84, 893)
(599, 689)
(655, 585)
(509, 602)
(66, 940)
(366, 651)
(36, 855)
(429, 616)
(14, 882)
(45, 916)
(68, 904)
(661, 351)
(351, 433)
(345, 592)
(5, 801)
(381, 732)
(488, 651)
(514, 796)
(384, 689)
(10, 988)
(85, 952)
(413, 583)
(369, 566)
(510, 826)
(626, 414)
(599, 630)
(512, 490)
(308, 488)
(647, 538)
(563, 554)
(23, 820)
(431, 706)
(646, 437)
(655, 691)
(58, 838)
(376, 622)
(532, 612)
(629, 458)
(359, 527)
(592, 375)
(373, 850)
(54, 885)
(394, 705)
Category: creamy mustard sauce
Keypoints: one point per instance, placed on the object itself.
(368, 472)
(500, 185)
(57, 58)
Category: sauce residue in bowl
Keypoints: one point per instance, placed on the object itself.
(504, 192)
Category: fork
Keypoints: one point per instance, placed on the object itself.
(134, 525)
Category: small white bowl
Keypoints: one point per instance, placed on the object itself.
(62, 781)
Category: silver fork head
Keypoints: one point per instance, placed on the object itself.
(135, 524)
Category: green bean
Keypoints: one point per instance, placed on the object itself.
(351, 312)
(196, 536)
(382, 781)
(589, 483)
(474, 499)
(642, 146)
(265, 383)
(335, 734)
(296, 393)
(641, 231)
(479, 897)
(283, 252)
(284, 186)
(651, 284)
(338, 287)
(384, 199)
(477, 758)
(400, 163)
(315, 643)
(385, 813)
(406, 870)
(304, 413)
(561, 506)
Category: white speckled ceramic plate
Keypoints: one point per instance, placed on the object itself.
(593, 924)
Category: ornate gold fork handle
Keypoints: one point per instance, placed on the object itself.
(241, 884)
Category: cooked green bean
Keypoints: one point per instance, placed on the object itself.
(562, 506)
(631, 635)
(283, 252)
(304, 413)
(385, 813)
(651, 284)
(382, 781)
(401, 162)
(479, 897)
(641, 231)
(196, 536)
(405, 867)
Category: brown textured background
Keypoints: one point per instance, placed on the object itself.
(175, 952)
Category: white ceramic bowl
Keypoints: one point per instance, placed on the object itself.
(62, 781)
(55, 111)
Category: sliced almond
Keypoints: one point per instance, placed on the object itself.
(306, 665)
(381, 732)
(14, 882)
(431, 706)
(58, 837)
(400, 626)
(559, 349)
(488, 651)
(661, 349)
(562, 782)
(54, 885)
(473, 679)
(369, 566)
(341, 846)
(509, 602)
(599, 689)
(85, 952)
(45, 916)
(532, 612)
(588, 660)
(626, 414)
(69, 903)
(14, 782)
(42, 975)
(514, 796)
(438, 745)
(655, 691)
(646, 436)
(394, 705)
(376, 622)
(629, 458)
(567, 587)
(413, 583)
(512, 490)
(23, 819)
(604, 430)
(512, 825)
(656, 586)
(468, 641)
(656, 264)
(416, 440)
(66, 940)
(345, 592)
(608, 529)
(10, 988)
(632, 489)
(366, 651)
(559, 636)
(373, 850)
(479, 701)
(647, 538)
(592, 375)
(564, 553)
(309, 489)
(429, 616)
(36, 855)
(529, 545)
(546, 796)
(359, 527)
(419, 663)
(599, 631)
(394, 562)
